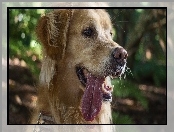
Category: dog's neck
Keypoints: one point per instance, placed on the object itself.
(70, 115)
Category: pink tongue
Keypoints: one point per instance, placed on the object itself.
(92, 98)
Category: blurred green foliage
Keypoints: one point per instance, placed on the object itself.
(121, 119)
(128, 89)
(22, 39)
(141, 31)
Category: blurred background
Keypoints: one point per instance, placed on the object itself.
(139, 95)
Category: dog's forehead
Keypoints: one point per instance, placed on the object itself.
(104, 18)
(93, 16)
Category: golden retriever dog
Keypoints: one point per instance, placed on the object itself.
(79, 60)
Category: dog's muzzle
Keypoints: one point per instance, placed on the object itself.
(98, 88)
(117, 62)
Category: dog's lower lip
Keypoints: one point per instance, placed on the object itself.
(81, 73)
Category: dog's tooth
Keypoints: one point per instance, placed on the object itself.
(111, 77)
(108, 81)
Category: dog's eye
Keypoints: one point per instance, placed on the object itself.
(88, 32)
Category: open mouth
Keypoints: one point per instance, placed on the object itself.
(97, 89)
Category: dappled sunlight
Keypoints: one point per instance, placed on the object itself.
(16, 61)
(153, 89)
(127, 105)
(22, 100)
(128, 102)
(22, 93)
(12, 83)
(148, 54)
(18, 99)
(34, 58)
(130, 106)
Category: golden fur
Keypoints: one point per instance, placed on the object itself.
(64, 47)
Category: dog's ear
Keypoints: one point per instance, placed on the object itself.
(52, 30)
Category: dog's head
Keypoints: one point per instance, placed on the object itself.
(83, 40)
(91, 44)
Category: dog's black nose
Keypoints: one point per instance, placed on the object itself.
(119, 54)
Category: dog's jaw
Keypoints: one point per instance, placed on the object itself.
(97, 89)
